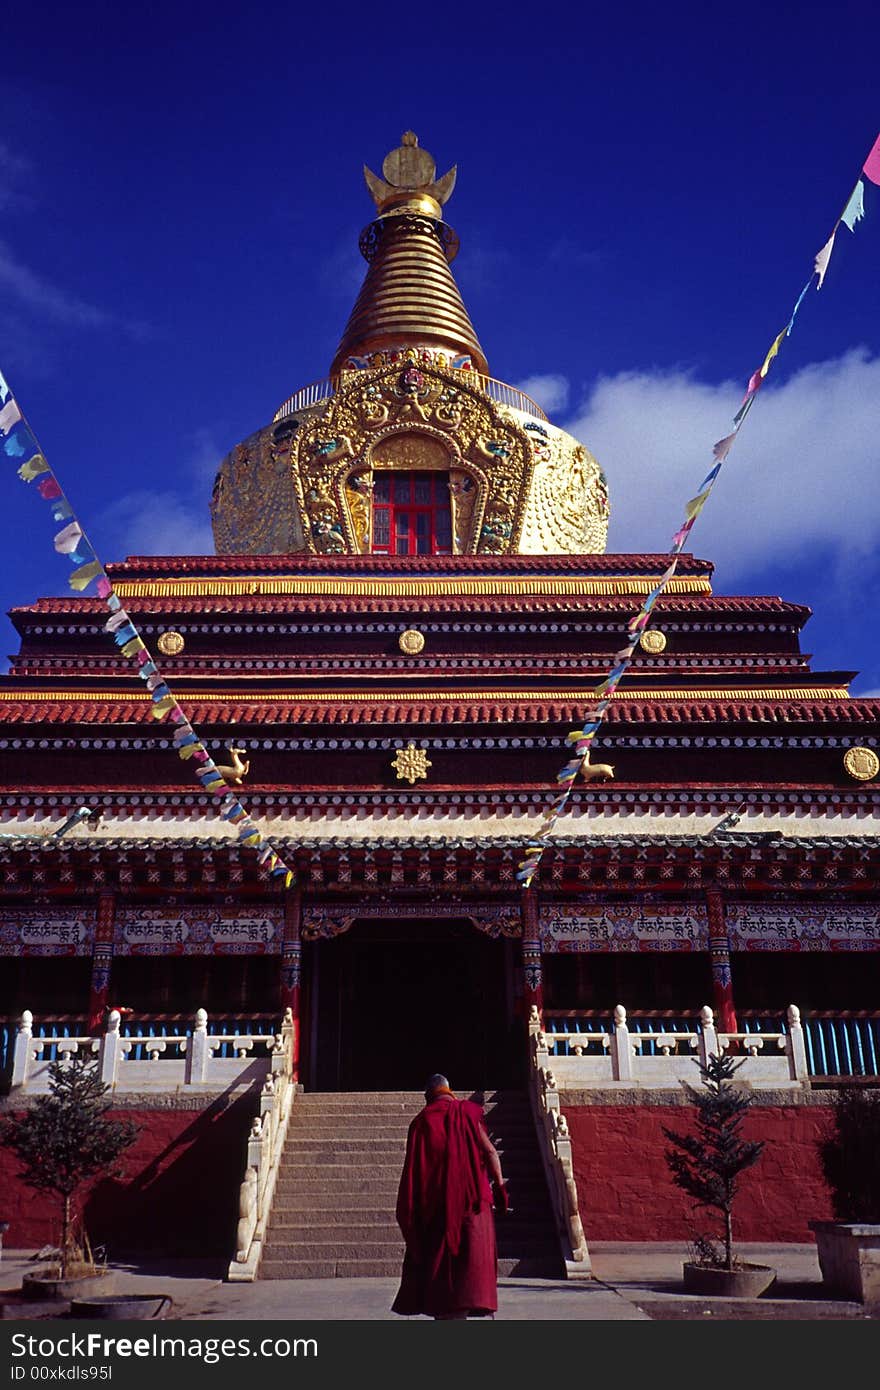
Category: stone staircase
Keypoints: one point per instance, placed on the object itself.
(333, 1210)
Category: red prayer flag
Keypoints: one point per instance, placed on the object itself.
(49, 489)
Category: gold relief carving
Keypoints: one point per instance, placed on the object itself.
(567, 510)
(419, 452)
(861, 763)
(411, 642)
(171, 643)
(463, 493)
(411, 763)
(253, 510)
(392, 418)
(358, 496)
(653, 641)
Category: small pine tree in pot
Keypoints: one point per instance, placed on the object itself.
(63, 1140)
(849, 1247)
(707, 1166)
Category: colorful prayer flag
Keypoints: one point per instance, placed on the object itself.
(871, 166)
(855, 208)
(820, 265)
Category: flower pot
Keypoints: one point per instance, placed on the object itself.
(47, 1283)
(849, 1258)
(122, 1306)
(746, 1281)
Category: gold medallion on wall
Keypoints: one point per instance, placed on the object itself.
(862, 764)
(171, 643)
(653, 641)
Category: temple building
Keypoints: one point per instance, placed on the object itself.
(409, 608)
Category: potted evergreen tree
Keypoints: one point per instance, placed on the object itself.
(849, 1247)
(63, 1140)
(707, 1166)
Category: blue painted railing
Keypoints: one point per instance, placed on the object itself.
(845, 1045)
(77, 1027)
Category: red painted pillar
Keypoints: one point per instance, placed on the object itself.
(533, 987)
(719, 951)
(102, 961)
(291, 968)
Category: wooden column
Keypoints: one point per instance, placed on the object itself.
(291, 968)
(533, 988)
(719, 951)
(102, 961)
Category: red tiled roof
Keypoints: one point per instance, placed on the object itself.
(164, 566)
(272, 605)
(466, 710)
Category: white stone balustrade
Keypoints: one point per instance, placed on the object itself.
(554, 1142)
(172, 1063)
(771, 1060)
(265, 1144)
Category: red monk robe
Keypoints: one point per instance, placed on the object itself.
(444, 1209)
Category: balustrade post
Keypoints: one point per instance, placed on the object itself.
(707, 1037)
(111, 1049)
(22, 1055)
(795, 1047)
(196, 1066)
(621, 1047)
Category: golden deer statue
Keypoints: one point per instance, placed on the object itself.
(235, 772)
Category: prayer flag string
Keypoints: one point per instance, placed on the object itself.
(20, 445)
(581, 739)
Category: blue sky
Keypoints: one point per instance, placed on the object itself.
(640, 197)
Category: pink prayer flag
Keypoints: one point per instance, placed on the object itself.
(103, 588)
(871, 166)
(754, 382)
(723, 447)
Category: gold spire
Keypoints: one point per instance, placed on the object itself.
(409, 298)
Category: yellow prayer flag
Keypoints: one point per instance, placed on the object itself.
(777, 344)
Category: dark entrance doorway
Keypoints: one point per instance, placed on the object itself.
(392, 1002)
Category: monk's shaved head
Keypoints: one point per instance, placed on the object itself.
(434, 1083)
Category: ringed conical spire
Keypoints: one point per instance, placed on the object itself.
(409, 298)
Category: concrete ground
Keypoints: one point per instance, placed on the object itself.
(631, 1283)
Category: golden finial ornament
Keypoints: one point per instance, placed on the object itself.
(653, 641)
(411, 642)
(862, 764)
(410, 763)
(171, 643)
(409, 183)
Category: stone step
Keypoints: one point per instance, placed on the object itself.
(288, 1267)
(326, 1251)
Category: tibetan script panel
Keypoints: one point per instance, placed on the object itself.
(624, 927)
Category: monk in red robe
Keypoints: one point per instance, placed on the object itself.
(444, 1209)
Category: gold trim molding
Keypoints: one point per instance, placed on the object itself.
(435, 587)
(408, 697)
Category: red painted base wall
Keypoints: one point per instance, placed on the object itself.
(625, 1190)
(178, 1194)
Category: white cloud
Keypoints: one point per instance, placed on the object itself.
(549, 391)
(38, 294)
(801, 479)
(155, 523)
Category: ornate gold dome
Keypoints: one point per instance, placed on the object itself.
(408, 394)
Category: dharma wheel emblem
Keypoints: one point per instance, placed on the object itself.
(653, 641)
(410, 763)
(411, 642)
(171, 643)
(861, 763)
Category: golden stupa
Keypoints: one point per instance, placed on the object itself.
(409, 392)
